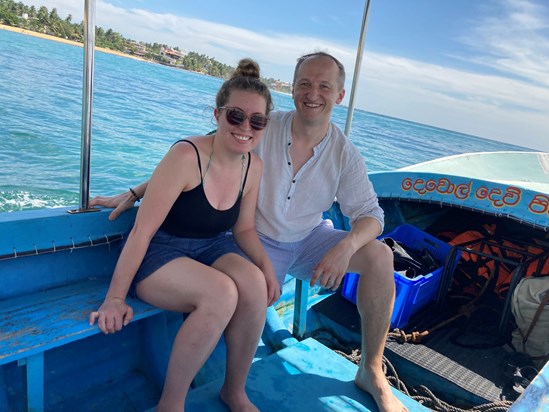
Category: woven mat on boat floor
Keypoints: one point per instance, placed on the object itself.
(467, 352)
(457, 372)
(449, 352)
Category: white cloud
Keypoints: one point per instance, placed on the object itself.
(514, 42)
(490, 106)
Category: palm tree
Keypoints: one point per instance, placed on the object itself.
(43, 16)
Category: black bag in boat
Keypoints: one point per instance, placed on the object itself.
(409, 262)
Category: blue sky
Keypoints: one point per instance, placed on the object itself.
(477, 67)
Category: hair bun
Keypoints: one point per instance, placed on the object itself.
(245, 78)
(247, 68)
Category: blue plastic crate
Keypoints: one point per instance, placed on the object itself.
(411, 294)
(350, 283)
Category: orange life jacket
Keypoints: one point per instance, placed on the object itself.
(489, 254)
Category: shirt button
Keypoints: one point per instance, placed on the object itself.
(293, 181)
(289, 163)
(288, 197)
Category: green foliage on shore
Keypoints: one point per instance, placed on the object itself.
(49, 22)
(41, 20)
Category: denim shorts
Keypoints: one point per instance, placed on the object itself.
(165, 247)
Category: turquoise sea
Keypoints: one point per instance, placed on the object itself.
(139, 110)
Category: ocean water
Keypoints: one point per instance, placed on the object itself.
(139, 110)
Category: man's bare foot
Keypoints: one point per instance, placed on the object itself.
(237, 402)
(375, 383)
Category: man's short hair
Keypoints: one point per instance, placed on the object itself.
(341, 69)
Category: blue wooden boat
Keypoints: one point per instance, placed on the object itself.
(55, 267)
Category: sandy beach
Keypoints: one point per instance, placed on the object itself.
(59, 39)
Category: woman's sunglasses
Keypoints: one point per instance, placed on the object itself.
(236, 116)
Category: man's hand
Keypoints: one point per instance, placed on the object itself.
(330, 270)
(120, 203)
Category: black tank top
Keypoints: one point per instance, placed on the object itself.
(192, 216)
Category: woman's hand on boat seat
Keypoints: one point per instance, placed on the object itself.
(120, 203)
(112, 316)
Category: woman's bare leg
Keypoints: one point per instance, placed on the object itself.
(244, 330)
(210, 297)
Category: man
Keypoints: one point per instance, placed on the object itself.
(307, 162)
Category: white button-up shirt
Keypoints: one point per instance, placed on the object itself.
(290, 207)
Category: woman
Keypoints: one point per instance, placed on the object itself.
(179, 258)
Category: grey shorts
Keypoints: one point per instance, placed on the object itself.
(299, 258)
(165, 247)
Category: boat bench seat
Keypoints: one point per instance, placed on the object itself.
(34, 323)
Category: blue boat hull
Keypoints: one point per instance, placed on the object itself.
(42, 251)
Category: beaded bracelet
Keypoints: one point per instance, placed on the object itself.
(137, 198)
